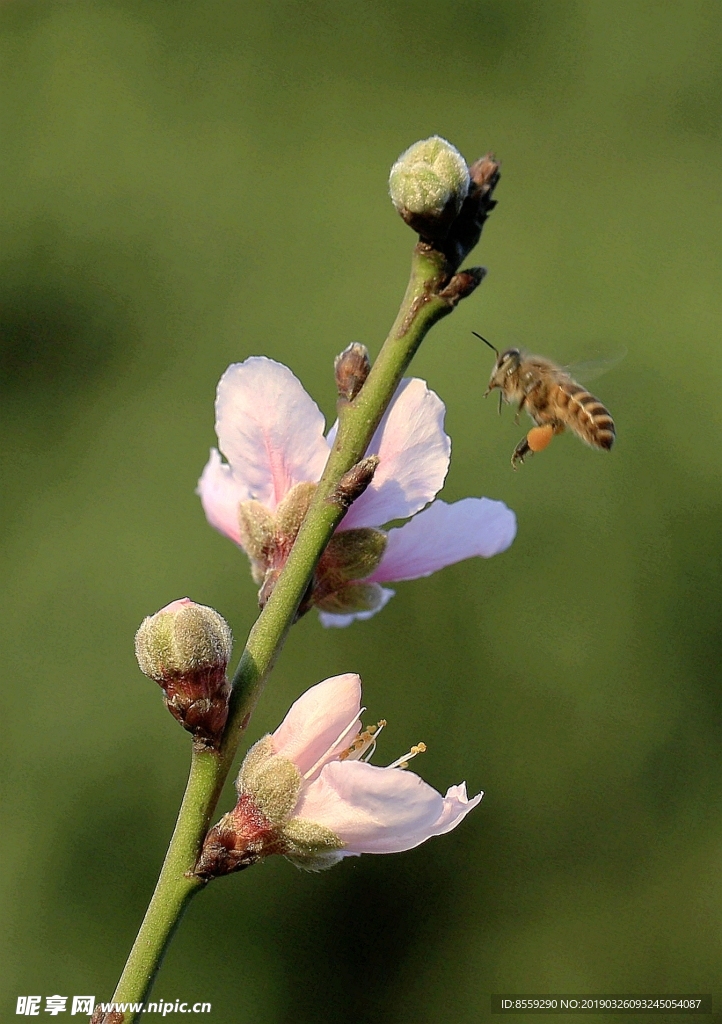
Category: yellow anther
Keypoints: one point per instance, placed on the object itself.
(364, 742)
(403, 762)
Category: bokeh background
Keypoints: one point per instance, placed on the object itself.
(188, 183)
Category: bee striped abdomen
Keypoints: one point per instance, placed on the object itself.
(586, 415)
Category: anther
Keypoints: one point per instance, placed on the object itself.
(376, 730)
(365, 743)
(403, 762)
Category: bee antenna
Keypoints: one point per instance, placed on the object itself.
(495, 349)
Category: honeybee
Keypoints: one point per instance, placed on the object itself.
(552, 398)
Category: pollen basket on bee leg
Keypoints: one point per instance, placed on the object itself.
(539, 438)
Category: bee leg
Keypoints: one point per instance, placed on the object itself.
(535, 441)
(520, 453)
(518, 411)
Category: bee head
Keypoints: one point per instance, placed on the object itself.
(506, 365)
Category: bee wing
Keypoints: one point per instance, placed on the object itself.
(589, 369)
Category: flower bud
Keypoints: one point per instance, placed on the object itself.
(428, 185)
(185, 648)
(352, 368)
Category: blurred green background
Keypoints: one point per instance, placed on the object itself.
(188, 183)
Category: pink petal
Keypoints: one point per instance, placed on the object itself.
(269, 429)
(221, 493)
(443, 534)
(414, 453)
(312, 728)
(176, 606)
(456, 806)
(379, 810)
(340, 621)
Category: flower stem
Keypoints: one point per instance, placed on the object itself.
(421, 307)
(174, 889)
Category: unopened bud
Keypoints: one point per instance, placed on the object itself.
(352, 368)
(462, 285)
(186, 647)
(428, 185)
(352, 484)
(484, 173)
(466, 229)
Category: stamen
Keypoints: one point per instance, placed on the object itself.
(403, 762)
(362, 743)
(370, 753)
(338, 739)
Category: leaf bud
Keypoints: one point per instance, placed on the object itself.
(185, 648)
(466, 229)
(352, 368)
(353, 483)
(428, 185)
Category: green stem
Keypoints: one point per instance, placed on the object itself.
(420, 309)
(174, 888)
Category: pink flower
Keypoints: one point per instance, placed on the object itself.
(272, 434)
(308, 792)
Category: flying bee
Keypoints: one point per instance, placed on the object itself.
(552, 398)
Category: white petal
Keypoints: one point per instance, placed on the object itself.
(313, 726)
(269, 429)
(443, 534)
(340, 621)
(221, 493)
(414, 453)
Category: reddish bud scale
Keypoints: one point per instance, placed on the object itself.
(199, 701)
(107, 1017)
(240, 839)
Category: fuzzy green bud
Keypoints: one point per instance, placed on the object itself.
(181, 638)
(354, 554)
(272, 781)
(308, 845)
(185, 648)
(428, 185)
(257, 528)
